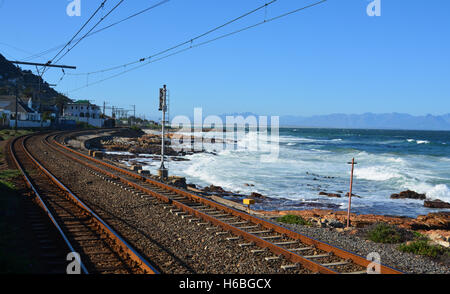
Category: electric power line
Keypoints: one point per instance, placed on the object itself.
(99, 30)
(76, 34)
(180, 44)
(203, 43)
(103, 18)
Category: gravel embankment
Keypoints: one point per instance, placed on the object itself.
(171, 243)
(390, 256)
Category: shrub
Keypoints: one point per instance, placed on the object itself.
(422, 247)
(383, 233)
(293, 219)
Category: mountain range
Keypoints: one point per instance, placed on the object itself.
(397, 121)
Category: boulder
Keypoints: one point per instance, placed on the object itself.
(257, 195)
(214, 189)
(177, 182)
(330, 194)
(436, 204)
(409, 195)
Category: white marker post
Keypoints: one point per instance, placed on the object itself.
(351, 190)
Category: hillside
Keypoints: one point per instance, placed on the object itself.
(28, 85)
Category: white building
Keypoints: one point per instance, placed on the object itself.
(84, 111)
(27, 115)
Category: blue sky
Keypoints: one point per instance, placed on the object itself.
(331, 58)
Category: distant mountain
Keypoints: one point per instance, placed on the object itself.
(28, 85)
(400, 121)
(371, 121)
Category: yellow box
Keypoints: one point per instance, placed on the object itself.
(249, 201)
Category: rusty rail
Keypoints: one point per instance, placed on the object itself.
(41, 202)
(125, 247)
(309, 264)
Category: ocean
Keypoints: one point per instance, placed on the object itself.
(316, 160)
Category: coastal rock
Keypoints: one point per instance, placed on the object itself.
(436, 204)
(439, 237)
(432, 221)
(257, 195)
(330, 194)
(214, 189)
(177, 182)
(408, 194)
(353, 195)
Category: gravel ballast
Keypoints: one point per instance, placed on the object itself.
(171, 243)
(389, 254)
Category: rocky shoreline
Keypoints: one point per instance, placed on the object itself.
(324, 215)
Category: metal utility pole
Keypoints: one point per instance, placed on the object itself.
(36, 64)
(134, 115)
(163, 172)
(351, 190)
(17, 97)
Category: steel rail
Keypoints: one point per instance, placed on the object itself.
(41, 202)
(359, 260)
(127, 248)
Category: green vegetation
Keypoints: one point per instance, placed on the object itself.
(423, 247)
(293, 219)
(85, 125)
(5, 179)
(383, 233)
(9, 133)
(136, 128)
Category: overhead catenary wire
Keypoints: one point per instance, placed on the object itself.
(43, 53)
(203, 43)
(180, 44)
(79, 31)
(84, 36)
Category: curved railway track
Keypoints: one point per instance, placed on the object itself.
(101, 249)
(266, 239)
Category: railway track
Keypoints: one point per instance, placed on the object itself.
(265, 239)
(101, 250)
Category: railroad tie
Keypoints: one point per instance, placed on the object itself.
(261, 232)
(232, 238)
(228, 219)
(246, 244)
(301, 249)
(289, 266)
(238, 223)
(286, 243)
(272, 258)
(248, 227)
(187, 216)
(222, 233)
(194, 220)
(258, 251)
(202, 224)
(336, 263)
(223, 215)
(317, 255)
(357, 273)
(271, 237)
